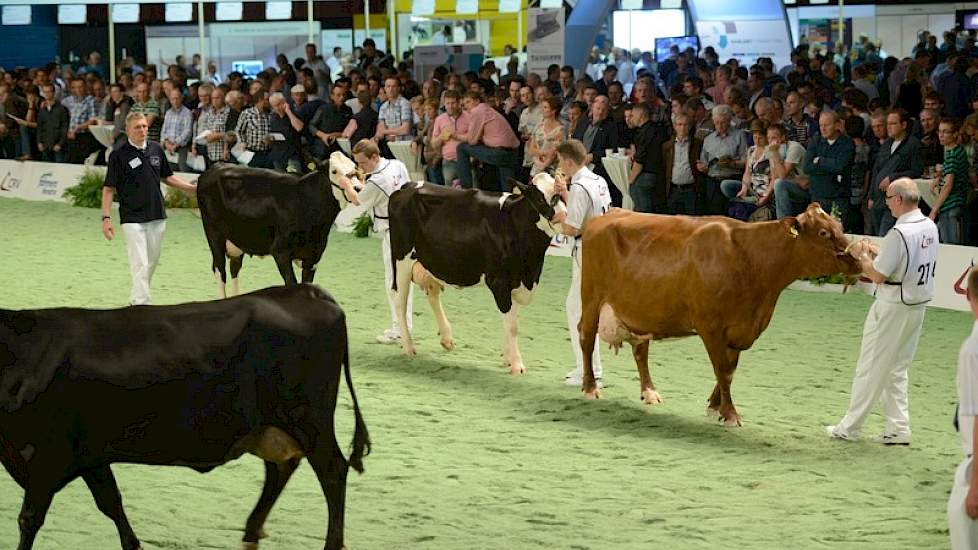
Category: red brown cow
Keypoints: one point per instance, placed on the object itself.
(648, 277)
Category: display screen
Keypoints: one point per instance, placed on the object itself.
(16, 15)
(250, 67)
(179, 12)
(72, 14)
(229, 11)
(662, 45)
(125, 13)
(971, 20)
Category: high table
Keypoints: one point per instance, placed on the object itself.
(619, 167)
(402, 152)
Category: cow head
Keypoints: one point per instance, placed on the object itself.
(342, 166)
(543, 198)
(827, 249)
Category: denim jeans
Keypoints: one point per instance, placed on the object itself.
(716, 201)
(790, 198)
(730, 188)
(449, 171)
(260, 160)
(683, 200)
(883, 220)
(950, 225)
(26, 138)
(645, 194)
(433, 174)
(50, 155)
(505, 161)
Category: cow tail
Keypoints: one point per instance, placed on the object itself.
(361, 439)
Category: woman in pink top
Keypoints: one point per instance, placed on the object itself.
(722, 81)
(546, 136)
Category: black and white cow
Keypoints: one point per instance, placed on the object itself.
(461, 237)
(192, 385)
(263, 212)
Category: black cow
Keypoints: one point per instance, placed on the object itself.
(464, 236)
(193, 385)
(262, 212)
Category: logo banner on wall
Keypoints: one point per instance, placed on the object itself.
(545, 45)
(747, 40)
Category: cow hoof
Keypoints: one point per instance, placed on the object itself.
(651, 397)
(712, 413)
(593, 394)
(449, 345)
(249, 546)
(732, 422)
(517, 368)
(410, 351)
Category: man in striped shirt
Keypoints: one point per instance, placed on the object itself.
(951, 190)
(81, 112)
(177, 130)
(253, 128)
(149, 108)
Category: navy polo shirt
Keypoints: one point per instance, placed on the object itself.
(135, 175)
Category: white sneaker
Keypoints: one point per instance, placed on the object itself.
(833, 433)
(892, 439)
(576, 378)
(389, 336)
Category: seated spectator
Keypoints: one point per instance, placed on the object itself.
(754, 187)
(576, 120)
(489, 139)
(177, 130)
(52, 127)
(443, 137)
(679, 156)
(799, 124)
(541, 148)
(328, 122)
(363, 125)
(722, 158)
(285, 130)
(828, 167)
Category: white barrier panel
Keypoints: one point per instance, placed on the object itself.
(46, 181)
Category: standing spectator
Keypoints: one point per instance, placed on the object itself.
(541, 148)
(577, 121)
(212, 121)
(648, 184)
(531, 115)
(135, 169)
(252, 130)
(601, 135)
(930, 142)
(609, 75)
(177, 130)
(236, 105)
(958, 89)
(863, 81)
(962, 506)
(489, 139)
(723, 76)
(364, 122)
(951, 187)
(679, 156)
(856, 130)
(150, 108)
(423, 144)
(722, 158)
(81, 110)
(52, 127)
(904, 271)
(898, 157)
(828, 168)
(395, 118)
(27, 125)
(321, 71)
(116, 111)
(446, 126)
(910, 96)
(284, 131)
(801, 127)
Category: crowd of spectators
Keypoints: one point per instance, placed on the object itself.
(703, 137)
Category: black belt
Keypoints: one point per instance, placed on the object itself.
(891, 283)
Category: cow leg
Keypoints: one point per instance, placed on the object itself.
(276, 477)
(640, 351)
(308, 271)
(32, 514)
(724, 361)
(218, 245)
(403, 269)
(235, 265)
(588, 329)
(331, 468)
(444, 328)
(104, 489)
(284, 263)
(511, 348)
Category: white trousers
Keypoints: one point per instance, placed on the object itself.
(574, 308)
(143, 242)
(385, 250)
(890, 338)
(964, 530)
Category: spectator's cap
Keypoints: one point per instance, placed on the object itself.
(758, 126)
(298, 89)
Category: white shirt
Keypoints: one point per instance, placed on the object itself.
(389, 176)
(895, 145)
(908, 257)
(588, 196)
(968, 389)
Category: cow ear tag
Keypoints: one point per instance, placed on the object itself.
(794, 232)
(516, 191)
(311, 166)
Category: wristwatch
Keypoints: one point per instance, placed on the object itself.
(106, 218)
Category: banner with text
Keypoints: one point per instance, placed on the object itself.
(545, 44)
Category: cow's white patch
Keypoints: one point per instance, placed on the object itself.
(221, 290)
(419, 185)
(522, 295)
(232, 250)
(235, 289)
(543, 224)
(502, 199)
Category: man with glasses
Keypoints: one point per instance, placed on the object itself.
(904, 271)
(898, 157)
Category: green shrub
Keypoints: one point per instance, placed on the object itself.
(88, 192)
(178, 199)
(361, 228)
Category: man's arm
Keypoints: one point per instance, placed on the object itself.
(179, 183)
(297, 123)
